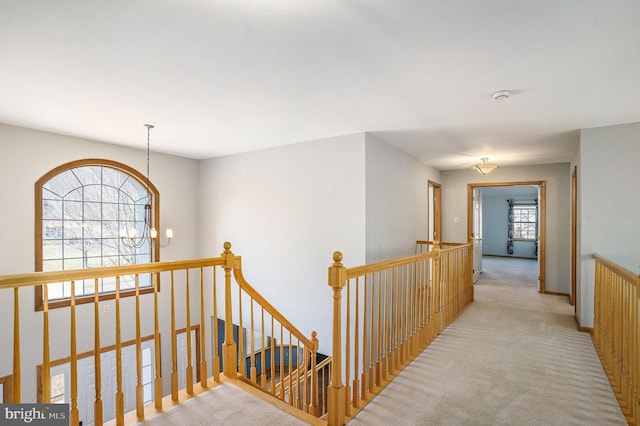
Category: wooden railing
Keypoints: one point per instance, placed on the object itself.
(616, 332)
(277, 350)
(393, 310)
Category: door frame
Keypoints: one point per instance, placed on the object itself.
(574, 236)
(542, 219)
(436, 232)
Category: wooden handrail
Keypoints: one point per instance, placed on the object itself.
(37, 278)
(623, 272)
(260, 300)
(441, 243)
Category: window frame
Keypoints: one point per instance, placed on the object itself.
(155, 221)
(535, 223)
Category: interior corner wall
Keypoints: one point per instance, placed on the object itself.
(25, 156)
(609, 202)
(558, 178)
(286, 210)
(396, 200)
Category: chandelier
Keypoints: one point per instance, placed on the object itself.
(485, 167)
(149, 233)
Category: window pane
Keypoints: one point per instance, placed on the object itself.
(57, 388)
(93, 193)
(146, 356)
(72, 210)
(92, 211)
(51, 209)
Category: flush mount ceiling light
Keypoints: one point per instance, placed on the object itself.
(501, 95)
(485, 167)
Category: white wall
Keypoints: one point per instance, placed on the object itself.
(286, 210)
(558, 178)
(609, 202)
(26, 155)
(396, 199)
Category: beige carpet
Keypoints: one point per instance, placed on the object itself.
(225, 404)
(514, 357)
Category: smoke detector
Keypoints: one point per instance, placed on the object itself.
(501, 95)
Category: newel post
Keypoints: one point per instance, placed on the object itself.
(229, 351)
(436, 286)
(336, 391)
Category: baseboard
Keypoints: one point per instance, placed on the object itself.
(509, 257)
(555, 293)
(583, 328)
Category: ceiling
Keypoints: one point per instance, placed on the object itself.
(225, 77)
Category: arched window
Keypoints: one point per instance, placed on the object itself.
(83, 208)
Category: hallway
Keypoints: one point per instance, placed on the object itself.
(513, 357)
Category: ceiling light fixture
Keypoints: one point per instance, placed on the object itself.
(485, 167)
(149, 233)
(501, 95)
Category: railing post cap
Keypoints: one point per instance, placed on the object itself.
(227, 247)
(337, 258)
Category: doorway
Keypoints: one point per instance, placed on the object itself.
(474, 230)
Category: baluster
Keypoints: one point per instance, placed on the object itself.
(301, 371)
(273, 358)
(379, 350)
(46, 358)
(16, 384)
(347, 358)
(290, 371)
(372, 336)
(282, 372)
(356, 348)
(139, 387)
(393, 322)
(365, 304)
(174, 349)
(97, 358)
(157, 383)
(241, 354)
(119, 394)
(216, 356)
(403, 315)
(203, 341)
(189, 369)
(263, 374)
(385, 326)
(313, 409)
(306, 383)
(74, 360)
(252, 369)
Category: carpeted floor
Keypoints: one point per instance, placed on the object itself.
(514, 357)
(225, 404)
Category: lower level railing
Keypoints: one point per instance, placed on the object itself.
(385, 314)
(249, 339)
(616, 332)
